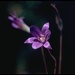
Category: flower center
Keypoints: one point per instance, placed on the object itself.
(42, 39)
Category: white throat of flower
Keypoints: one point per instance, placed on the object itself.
(26, 28)
(42, 38)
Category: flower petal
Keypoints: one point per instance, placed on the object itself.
(19, 22)
(30, 40)
(35, 31)
(13, 14)
(15, 26)
(10, 18)
(45, 27)
(47, 45)
(36, 45)
(47, 34)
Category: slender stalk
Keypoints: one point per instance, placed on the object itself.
(60, 54)
(53, 5)
(54, 61)
(44, 60)
(60, 26)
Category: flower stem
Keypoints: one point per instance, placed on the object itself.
(60, 54)
(60, 26)
(44, 60)
(53, 5)
(54, 61)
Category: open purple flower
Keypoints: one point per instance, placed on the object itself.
(18, 23)
(40, 38)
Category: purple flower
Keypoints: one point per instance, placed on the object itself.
(40, 38)
(18, 23)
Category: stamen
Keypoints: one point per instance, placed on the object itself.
(42, 38)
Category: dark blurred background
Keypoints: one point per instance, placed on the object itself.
(16, 57)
